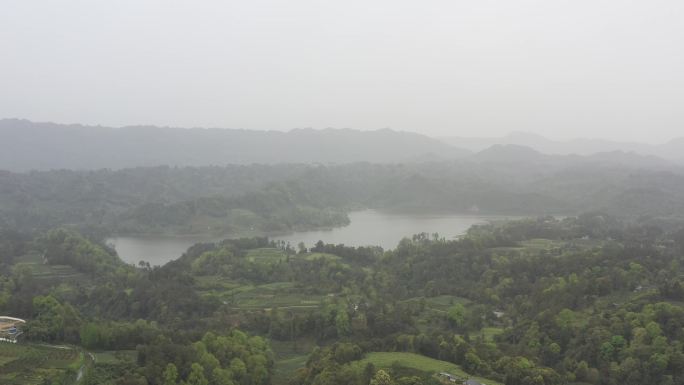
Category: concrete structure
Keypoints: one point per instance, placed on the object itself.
(10, 328)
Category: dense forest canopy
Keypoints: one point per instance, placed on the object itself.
(280, 198)
(590, 299)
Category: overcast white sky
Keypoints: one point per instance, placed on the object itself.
(561, 68)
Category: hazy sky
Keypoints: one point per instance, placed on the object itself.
(561, 68)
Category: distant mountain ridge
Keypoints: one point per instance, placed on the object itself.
(672, 150)
(26, 145)
(516, 155)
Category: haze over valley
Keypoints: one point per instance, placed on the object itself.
(139, 232)
(310, 192)
(47, 146)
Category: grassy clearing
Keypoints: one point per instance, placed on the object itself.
(267, 296)
(289, 356)
(490, 333)
(285, 368)
(386, 360)
(313, 256)
(266, 255)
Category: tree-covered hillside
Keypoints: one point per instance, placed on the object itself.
(262, 199)
(581, 300)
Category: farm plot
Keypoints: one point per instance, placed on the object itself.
(388, 360)
(35, 364)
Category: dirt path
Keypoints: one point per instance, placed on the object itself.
(89, 359)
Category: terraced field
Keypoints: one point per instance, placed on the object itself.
(277, 294)
(247, 296)
(22, 364)
(44, 272)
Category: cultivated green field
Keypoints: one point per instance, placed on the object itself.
(34, 264)
(536, 245)
(247, 296)
(289, 356)
(386, 360)
(114, 356)
(23, 364)
(250, 297)
(312, 256)
(266, 255)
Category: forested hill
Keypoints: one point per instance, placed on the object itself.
(275, 198)
(26, 145)
(587, 300)
(671, 150)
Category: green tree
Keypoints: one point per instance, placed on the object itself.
(381, 378)
(196, 376)
(342, 323)
(222, 377)
(238, 367)
(170, 376)
(457, 315)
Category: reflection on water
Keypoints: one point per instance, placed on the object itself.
(368, 227)
(157, 250)
(375, 228)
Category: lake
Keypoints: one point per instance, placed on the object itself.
(366, 228)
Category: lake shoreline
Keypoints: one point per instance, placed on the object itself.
(366, 228)
(418, 213)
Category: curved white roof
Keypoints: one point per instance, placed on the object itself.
(4, 318)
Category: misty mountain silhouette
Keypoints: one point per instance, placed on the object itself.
(26, 145)
(672, 150)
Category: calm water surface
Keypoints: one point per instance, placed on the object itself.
(368, 227)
